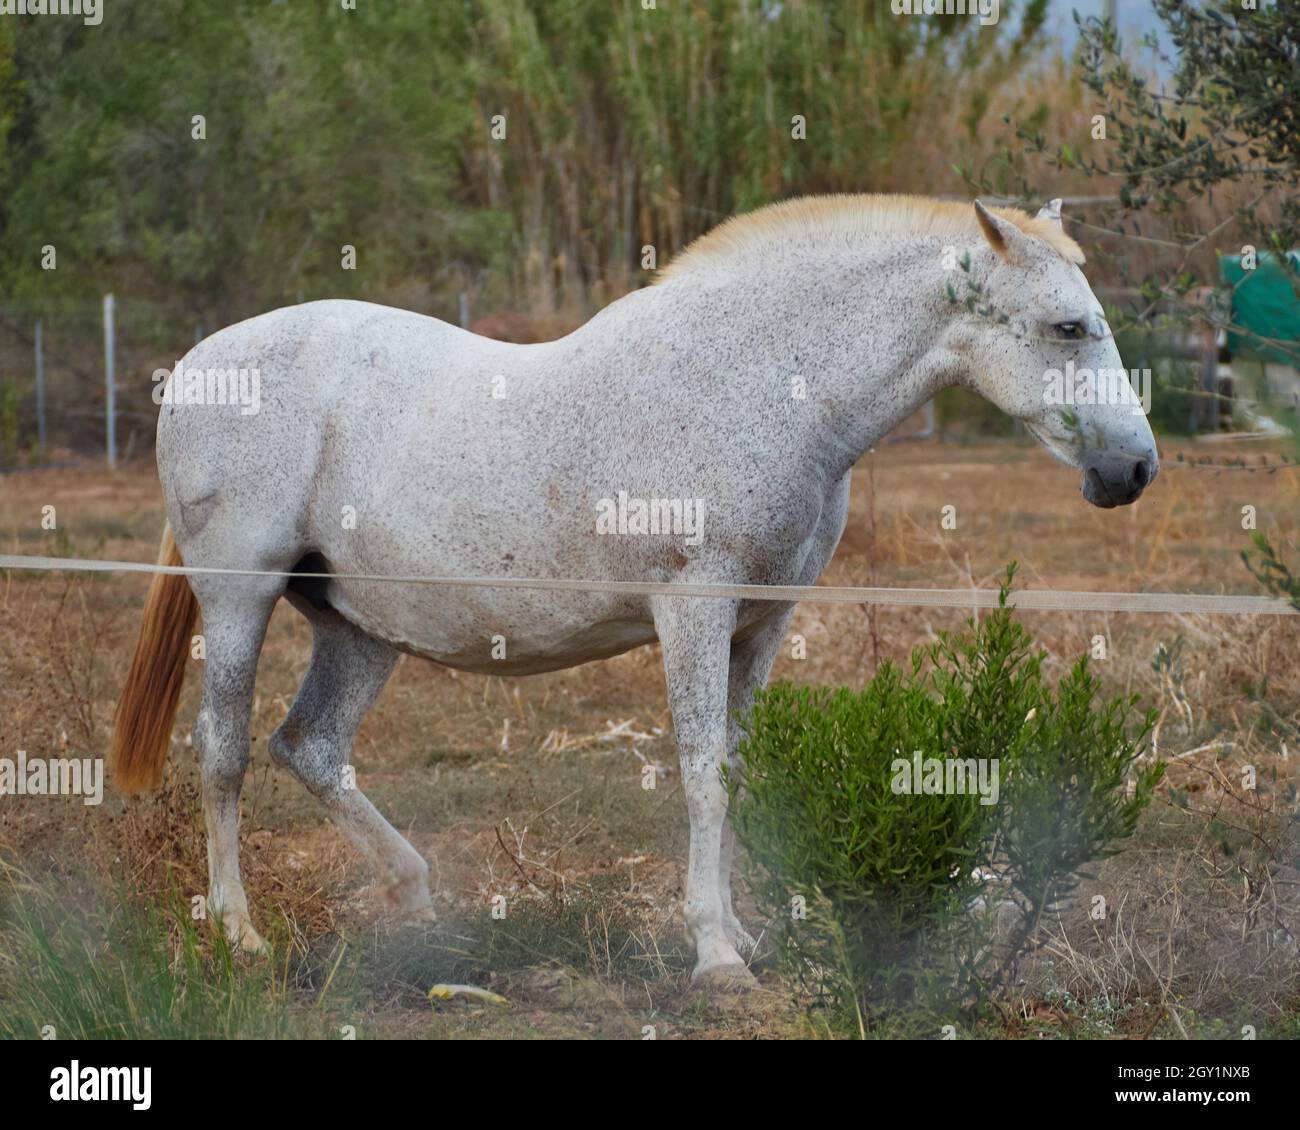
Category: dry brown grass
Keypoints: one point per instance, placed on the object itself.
(531, 788)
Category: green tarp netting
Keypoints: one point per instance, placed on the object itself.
(1265, 306)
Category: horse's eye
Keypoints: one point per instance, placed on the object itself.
(1072, 330)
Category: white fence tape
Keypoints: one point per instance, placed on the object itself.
(1037, 599)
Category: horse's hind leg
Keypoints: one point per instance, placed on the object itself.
(235, 615)
(348, 670)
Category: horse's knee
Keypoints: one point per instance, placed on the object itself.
(706, 796)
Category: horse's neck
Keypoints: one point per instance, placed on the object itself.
(854, 341)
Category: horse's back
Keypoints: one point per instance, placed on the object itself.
(297, 378)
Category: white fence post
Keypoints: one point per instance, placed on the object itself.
(109, 377)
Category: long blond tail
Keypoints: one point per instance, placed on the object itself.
(142, 726)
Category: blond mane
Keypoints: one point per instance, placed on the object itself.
(856, 214)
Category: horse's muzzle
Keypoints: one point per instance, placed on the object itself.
(1116, 480)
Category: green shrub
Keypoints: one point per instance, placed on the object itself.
(889, 877)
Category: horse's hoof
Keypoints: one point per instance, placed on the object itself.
(728, 977)
(243, 937)
(408, 899)
(406, 892)
(421, 914)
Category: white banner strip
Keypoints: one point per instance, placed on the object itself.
(1040, 599)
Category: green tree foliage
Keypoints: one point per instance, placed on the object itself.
(625, 126)
(308, 111)
(1231, 113)
(1201, 151)
(1206, 114)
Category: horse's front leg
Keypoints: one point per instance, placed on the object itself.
(696, 638)
(751, 664)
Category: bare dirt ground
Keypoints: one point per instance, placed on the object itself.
(531, 789)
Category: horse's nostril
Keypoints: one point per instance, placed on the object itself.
(1141, 474)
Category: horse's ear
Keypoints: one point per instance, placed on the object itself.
(1003, 236)
(1051, 211)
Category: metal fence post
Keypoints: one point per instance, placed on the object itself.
(109, 377)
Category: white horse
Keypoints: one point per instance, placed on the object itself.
(767, 360)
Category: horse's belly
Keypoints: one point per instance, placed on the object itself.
(517, 634)
(600, 641)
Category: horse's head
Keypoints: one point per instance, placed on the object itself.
(1038, 347)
